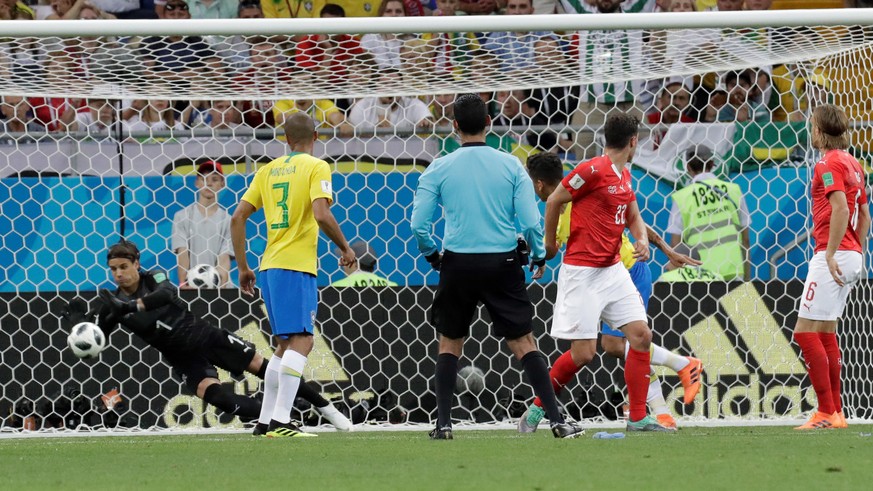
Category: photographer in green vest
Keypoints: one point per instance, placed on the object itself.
(710, 217)
(361, 274)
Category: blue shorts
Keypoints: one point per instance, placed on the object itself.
(291, 298)
(642, 277)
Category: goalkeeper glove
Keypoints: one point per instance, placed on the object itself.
(435, 260)
(117, 307)
(74, 312)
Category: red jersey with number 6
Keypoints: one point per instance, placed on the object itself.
(837, 171)
(600, 199)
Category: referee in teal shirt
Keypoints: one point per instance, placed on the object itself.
(483, 192)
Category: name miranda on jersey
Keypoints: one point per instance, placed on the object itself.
(283, 171)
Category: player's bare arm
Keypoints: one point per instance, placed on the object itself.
(637, 228)
(328, 224)
(163, 295)
(183, 264)
(839, 222)
(554, 205)
(238, 237)
(224, 268)
(863, 225)
(677, 260)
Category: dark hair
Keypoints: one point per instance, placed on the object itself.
(619, 129)
(256, 40)
(737, 77)
(249, 4)
(124, 249)
(699, 159)
(470, 114)
(546, 167)
(332, 9)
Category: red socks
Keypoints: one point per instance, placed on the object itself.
(835, 362)
(562, 371)
(817, 365)
(636, 377)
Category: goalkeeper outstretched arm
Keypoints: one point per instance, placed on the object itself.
(165, 294)
(76, 311)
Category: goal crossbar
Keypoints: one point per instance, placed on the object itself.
(571, 22)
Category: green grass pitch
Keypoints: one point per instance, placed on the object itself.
(702, 458)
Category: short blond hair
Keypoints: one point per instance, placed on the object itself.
(833, 124)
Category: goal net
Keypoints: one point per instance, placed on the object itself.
(104, 126)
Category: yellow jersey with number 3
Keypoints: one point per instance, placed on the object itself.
(627, 248)
(285, 188)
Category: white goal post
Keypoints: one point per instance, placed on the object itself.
(104, 124)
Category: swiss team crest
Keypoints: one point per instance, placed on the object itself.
(611, 189)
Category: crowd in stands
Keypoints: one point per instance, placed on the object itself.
(771, 93)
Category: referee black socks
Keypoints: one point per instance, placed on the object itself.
(446, 375)
(537, 369)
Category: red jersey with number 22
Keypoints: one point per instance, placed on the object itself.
(837, 171)
(600, 199)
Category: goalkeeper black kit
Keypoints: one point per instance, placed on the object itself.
(190, 344)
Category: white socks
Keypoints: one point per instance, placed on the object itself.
(655, 397)
(663, 358)
(271, 389)
(291, 372)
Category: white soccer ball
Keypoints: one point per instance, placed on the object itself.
(203, 276)
(470, 379)
(86, 340)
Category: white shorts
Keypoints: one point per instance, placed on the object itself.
(822, 298)
(587, 294)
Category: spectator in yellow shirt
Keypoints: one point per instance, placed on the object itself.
(274, 9)
(322, 111)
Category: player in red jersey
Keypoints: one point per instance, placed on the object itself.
(593, 284)
(841, 222)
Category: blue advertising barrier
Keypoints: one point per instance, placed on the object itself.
(54, 231)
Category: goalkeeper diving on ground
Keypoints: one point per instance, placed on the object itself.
(148, 305)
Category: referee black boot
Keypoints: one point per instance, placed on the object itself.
(441, 434)
(567, 430)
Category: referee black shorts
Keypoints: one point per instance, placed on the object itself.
(496, 280)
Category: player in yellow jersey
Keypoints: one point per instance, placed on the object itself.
(295, 192)
(546, 172)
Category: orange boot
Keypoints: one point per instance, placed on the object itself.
(690, 378)
(819, 421)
